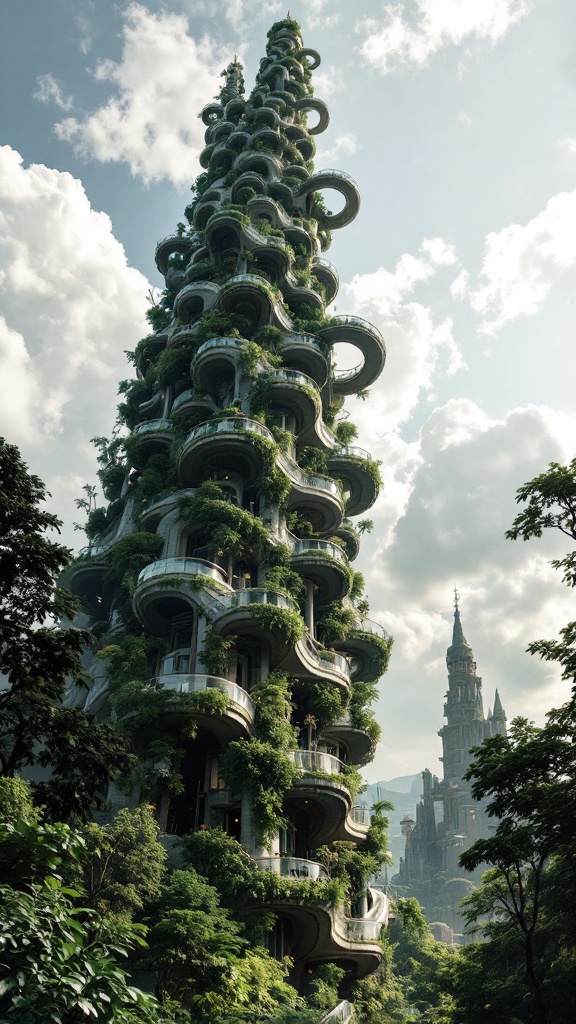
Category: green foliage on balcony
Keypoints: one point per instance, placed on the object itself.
(284, 623)
(172, 365)
(324, 701)
(216, 324)
(334, 623)
(232, 530)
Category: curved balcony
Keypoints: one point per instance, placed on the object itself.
(211, 113)
(250, 179)
(85, 579)
(318, 107)
(319, 498)
(355, 741)
(308, 661)
(157, 508)
(296, 392)
(152, 436)
(321, 794)
(189, 401)
(238, 614)
(337, 181)
(161, 591)
(268, 166)
(193, 299)
(351, 539)
(359, 480)
(313, 761)
(172, 245)
(352, 330)
(215, 357)
(237, 719)
(292, 867)
(250, 295)
(223, 231)
(148, 350)
(369, 658)
(327, 274)
(201, 454)
(323, 564)
(304, 352)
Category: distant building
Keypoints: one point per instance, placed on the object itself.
(448, 819)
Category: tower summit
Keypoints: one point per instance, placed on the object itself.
(221, 582)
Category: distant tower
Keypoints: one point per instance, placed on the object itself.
(448, 819)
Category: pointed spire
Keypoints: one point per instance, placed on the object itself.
(458, 637)
(498, 709)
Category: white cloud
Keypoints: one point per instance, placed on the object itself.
(413, 36)
(71, 305)
(523, 262)
(344, 145)
(316, 13)
(328, 82)
(162, 81)
(453, 505)
(418, 348)
(50, 91)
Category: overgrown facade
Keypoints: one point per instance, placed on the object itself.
(234, 649)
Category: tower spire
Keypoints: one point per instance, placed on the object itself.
(458, 638)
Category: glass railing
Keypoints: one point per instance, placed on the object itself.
(316, 761)
(369, 626)
(291, 867)
(152, 426)
(182, 567)
(361, 815)
(302, 547)
(304, 339)
(329, 659)
(182, 682)
(225, 342)
(259, 595)
(306, 479)
(351, 451)
(234, 424)
(357, 321)
(325, 264)
(357, 930)
(297, 377)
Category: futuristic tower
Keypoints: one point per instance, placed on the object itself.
(232, 632)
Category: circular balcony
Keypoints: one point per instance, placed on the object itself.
(213, 358)
(215, 446)
(355, 742)
(189, 401)
(318, 498)
(352, 330)
(250, 179)
(308, 661)
(365, 646)
(292, 867)
(304, 352)
(148, 350)
(151, 437)
(172, 245)
(193, 299)
(310, 103)
(250, 295)
(356, 470)
(267, 166)
(236, 721)
(351, 539)
(327, 275)
(323, 564)
(85, 578)
(224, 231)
(238, 613)
(161, 590)
(296, 392)
(158, 508)
(336, 181)
(321, 793)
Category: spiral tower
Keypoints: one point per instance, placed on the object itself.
(233, 637)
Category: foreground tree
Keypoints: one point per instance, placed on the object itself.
(529, 777)
(37, 657)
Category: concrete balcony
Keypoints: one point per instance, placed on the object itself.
(319, 498)
(327, 274)
(214, 357)
(234, 723)
(339, 182)
(353, 330)
(171, 246)
(363, 645)
(325, 565)
(355, 742)
(193, 299)
(318, 107)
(152, 436)
(252, 294)
(360, 484)
(220, 445)
(305, 352)
(292, 867)
(309, 661)
(237, 613)
(157, 508)
(161, 591)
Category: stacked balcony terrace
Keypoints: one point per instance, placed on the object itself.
(229, 561)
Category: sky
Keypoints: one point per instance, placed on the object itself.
(458, 121)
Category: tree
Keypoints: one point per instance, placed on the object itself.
(38, 657)
(551, 505)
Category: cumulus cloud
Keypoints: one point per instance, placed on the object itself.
(161, 82)
(317, 13)
(71, 305)
(522, 262)
(49, 90)
(412, 36)
(457, 502)
(344, 145)
(328, 82)
(418, 347)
